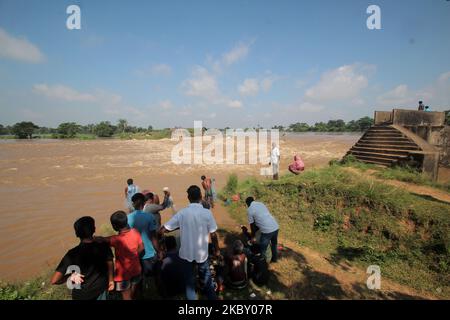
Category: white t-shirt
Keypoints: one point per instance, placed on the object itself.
(260, 215)
(275, 155)
(195, 223)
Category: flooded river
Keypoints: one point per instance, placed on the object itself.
(45, 185)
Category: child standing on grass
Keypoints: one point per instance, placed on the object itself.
(89, 265)
(128, 247)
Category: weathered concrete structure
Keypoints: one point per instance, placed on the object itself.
(406, 137)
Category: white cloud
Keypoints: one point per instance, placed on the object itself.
(252, 86)
(309, 107)
(161, 69)
(399, 96)
(444, 77)
(239, 52)
(62, 92)
(249, 87)
(234, 104)
(185, 111)
(437, 95)
(109, 102)
(165, 104)
(343, 83)
(267, 82)
(19, 49)
(201, 84)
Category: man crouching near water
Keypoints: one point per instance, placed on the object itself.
(196, 225)
(260, 218)
(89, 265)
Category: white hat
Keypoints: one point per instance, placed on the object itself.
(166, 189)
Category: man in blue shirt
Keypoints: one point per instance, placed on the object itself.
(146, 225)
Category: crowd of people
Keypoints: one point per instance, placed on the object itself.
(144, 252)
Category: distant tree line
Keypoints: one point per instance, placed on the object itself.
(330, 126)
(26, 129)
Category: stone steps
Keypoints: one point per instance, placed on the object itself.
(383, 145)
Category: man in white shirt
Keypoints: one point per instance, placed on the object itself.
(259, 218)
(275, 160)
(196, 225)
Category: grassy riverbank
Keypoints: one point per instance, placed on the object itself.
(343, 220)
(356, 219)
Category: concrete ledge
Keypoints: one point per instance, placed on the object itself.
(430, 165)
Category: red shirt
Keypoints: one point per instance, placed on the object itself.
(127, 263)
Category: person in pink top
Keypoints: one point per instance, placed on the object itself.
(297, 166)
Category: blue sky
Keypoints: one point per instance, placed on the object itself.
(228, 63)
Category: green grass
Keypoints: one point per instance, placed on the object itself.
(354, 218)
(6, 137)
(351, 161)
(38, 288)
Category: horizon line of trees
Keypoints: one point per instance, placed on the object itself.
(339, 125)
(27, 129)
(104, 129)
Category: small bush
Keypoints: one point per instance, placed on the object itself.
(232, 185)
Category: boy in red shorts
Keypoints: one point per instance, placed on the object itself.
(128, 247)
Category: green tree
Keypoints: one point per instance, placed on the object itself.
(150, 128)
(336, 125)
(299, 127)
(279, 128)
(364, 123)
(68, 129)
(104, 129)
(24, 129)
(122, 125)
(44, 130)
(320, 127)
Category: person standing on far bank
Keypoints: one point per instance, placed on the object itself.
(275, 160)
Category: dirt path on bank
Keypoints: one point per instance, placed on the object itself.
(424, 191)
(420, 190)
(302, 273)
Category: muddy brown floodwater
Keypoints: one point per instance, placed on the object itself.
(45, 185)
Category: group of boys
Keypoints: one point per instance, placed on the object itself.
(141, 251)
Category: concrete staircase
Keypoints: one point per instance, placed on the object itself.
(383, 145)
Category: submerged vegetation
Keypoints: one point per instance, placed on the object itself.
(354, 218)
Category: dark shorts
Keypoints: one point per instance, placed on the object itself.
(148, 266)
(126, 284)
